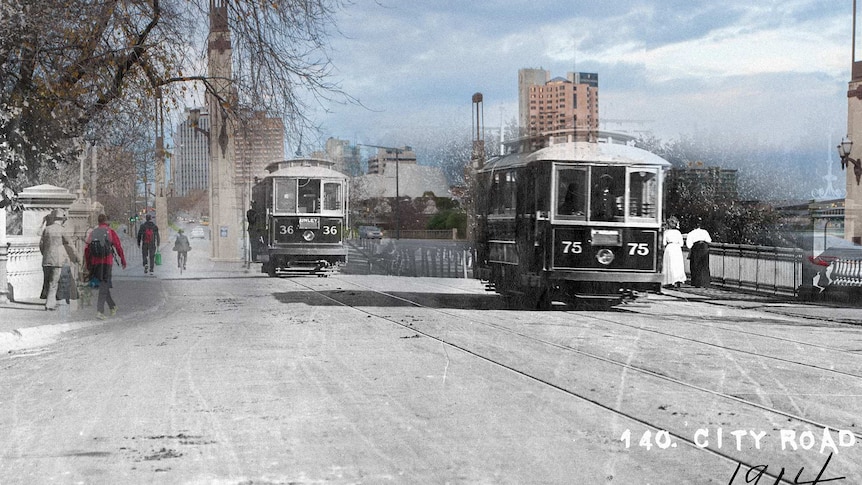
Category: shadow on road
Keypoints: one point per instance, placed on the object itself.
(393, 299)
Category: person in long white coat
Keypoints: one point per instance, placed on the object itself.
(56, 247)
(673, 265)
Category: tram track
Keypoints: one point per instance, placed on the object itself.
(737, 350)
(643, 370)
(627, 366)
(839, 350)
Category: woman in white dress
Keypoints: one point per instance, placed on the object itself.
(673, 267)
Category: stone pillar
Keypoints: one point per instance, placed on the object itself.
(38, 202)
(853, 199)
(82, 216)
(225, 210)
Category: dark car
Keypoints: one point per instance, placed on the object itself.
(370, 232)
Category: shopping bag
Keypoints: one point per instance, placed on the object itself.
(158, 259)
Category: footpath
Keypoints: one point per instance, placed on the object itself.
(26, 324)
(779, 304)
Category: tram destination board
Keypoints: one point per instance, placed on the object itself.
(295, 230)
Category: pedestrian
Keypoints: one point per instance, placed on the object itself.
(102, 243)
(698, 244)
(182, 247)
(149, 241)
(57, 250)
(673, 265)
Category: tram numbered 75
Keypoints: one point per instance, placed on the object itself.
(297, 218)
(574, 221)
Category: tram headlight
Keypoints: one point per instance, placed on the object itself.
(308, 236)
(605, 256)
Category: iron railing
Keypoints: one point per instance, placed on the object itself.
(763, 269)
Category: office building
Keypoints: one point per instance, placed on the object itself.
(559, 109)
(386, 157)
(190, 163)
(259, 142)
(345, 155)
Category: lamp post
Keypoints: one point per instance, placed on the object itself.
(397, 151)
(844, 149)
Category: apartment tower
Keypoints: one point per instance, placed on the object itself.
(558, 109)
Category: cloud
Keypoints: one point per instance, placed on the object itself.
(766, 68)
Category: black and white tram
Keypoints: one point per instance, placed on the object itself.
(297, 218)
(576, 221)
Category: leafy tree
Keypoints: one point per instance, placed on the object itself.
(66, 66)
(449, 219)
(705, 199)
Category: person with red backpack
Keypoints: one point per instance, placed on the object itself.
(148, 241)
(102, 244)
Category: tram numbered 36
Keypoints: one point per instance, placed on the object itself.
(297, 218)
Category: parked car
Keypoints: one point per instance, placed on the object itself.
(370, 232)
(198, 233)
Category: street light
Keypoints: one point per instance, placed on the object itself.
(397, 151)
(844, 153)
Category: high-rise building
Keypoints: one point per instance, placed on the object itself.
(388, 157)
(259, 142)
(526, 79)
(720, 183)
(190, 163)
(345, 155)
(558, 109)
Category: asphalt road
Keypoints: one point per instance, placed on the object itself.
(240, 378)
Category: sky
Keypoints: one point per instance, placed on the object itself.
(772, 71)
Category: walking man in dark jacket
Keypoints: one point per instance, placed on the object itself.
(148, 241)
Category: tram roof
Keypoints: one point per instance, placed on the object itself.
(584, 152)
(304, 168)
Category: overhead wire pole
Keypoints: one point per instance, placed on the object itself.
(477, 162)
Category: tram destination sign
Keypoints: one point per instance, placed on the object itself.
(309, 223)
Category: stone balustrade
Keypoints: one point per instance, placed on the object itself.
(24, 274)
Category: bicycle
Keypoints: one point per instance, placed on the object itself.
(182, 257)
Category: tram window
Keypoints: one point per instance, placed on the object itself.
(607, 186)
(332, 196)
(643, 194)
(503, 193)
(571, 193)
(509, 194)
(309, 196)
(285, 195)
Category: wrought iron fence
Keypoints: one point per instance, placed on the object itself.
(424, 233)
(442, 259)
(758, 268)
